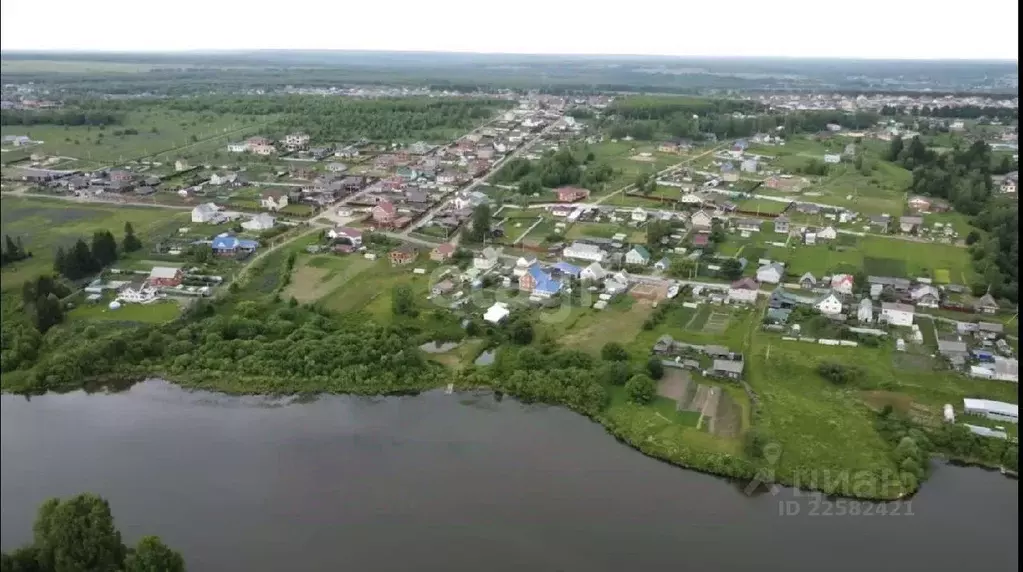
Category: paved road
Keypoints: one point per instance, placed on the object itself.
(482, 179)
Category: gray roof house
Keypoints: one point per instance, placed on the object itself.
(726, 368)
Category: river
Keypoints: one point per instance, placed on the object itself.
(450, 482)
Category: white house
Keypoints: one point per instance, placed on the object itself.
(638, 255)
(522, 265)
(997, 410)
(743, 291)
(584, 251)
(749, 166)
(262, 221)
(593, 273)
(138, 293)
(204, 213)
(829, 304)
(273, 201)
(827, 233)
(337, 167)
(832, 158)
(237, 147)
(925, 296)
(701, 220)
(770, 273)
(615, 285)
(487, 258)
(897, 314)
(865, 312)
(842, 283)
(496, 313)
(690, 199)
(639, 214)
(222, 178)
(296, 140)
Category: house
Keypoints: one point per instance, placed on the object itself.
(748, 225)
(832, 158)
(865, 311)
(986, 304)
(571, 194)
(881, 222)
(181, 165)
(926, 296)
(662, 264)
(522, 265)
(227, 245)
(778, 315)
(749, 166)
(471, 200)
(989, 331)
(728, 173)
(120, 176)
(442, 287)
(827, 233)
(1010, 183)
(205, 213)
(593, 273)
(273, 200)
(953, 349)
(237, 147)
(842, 283)
(807, 281)
(897, 314)
(539, 283)
(771, 273)
(442, 252)
(897, 284)
(352, 236)
(384, 213)
(487, 258)
(165, 277)
(267, 149)
(404, 254)
(743, 291)
(781, 224)
(616, 285)
(701, 239)
(909, 224)
(584, 251)
(639, 214)
(919, 203)
(296, 140)
(337, 167)
(828, 304)
(260, 222)
(416, 197)
(701, 220)
(731, 369)
(138, 292)
(997, 410)
(566, 269)
(638, 255)
(496, 313)
(222, 178)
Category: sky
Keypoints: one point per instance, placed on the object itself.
(979, 29)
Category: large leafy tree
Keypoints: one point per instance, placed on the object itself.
(78, 535)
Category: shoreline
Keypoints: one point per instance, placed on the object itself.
(751, 477)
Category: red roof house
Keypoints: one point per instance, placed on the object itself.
(571, 194)
(383, 213)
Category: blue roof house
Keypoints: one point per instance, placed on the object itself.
(539, 283)
(228, 245)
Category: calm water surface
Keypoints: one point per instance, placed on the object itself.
(448, 482)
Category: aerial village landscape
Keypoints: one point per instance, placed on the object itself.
(731, 270)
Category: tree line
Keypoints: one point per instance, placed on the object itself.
(69, 117)
(78, 535)
(82, 260)
(13, 251)
(957, 112)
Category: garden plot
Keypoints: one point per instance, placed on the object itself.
(717, 322)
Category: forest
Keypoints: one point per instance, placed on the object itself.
(651, 118)
(963, 178)
(76, 116)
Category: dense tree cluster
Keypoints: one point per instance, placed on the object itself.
(957, 112)
(641, 389)
(548, 375)
(13, 251)
(554, 169)
(340, 119)
(78, 116)
(82, 260)
(78, 535)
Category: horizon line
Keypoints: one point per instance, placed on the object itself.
(204, 51)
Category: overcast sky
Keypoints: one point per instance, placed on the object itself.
(796, 28)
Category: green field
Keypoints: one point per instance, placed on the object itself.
(157, 131)
(45, 224)
(762, 206)
(877, 255)
(623, 158)
(154, 313)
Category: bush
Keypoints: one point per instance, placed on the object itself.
(614, 373)
(613, 351)
(641, 389)
(839, 374)
(655, 367)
